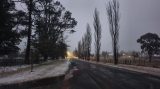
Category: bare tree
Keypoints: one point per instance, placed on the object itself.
(84, 46)
(113, 18)
(79, 49)
(88, 41)
(88, 38)
(97, 34)
(105, 54)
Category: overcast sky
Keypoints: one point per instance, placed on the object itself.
(137, 18)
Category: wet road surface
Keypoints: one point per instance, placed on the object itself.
(95, 76)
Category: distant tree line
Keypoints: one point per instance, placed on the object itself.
(84, 46)
(44, 24)
(112, 10)
(150, 42)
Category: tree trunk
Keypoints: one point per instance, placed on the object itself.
(27, 55)
(88, 56)
(150, 58)
(97, 57)
(45, 57)
(115, 53)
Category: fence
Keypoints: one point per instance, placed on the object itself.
(137, 61)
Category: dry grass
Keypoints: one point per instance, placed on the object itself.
(132, 61)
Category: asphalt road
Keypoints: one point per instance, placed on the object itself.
(94, 76)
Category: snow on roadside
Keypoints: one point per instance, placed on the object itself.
(44, 71)
(12, 68)
(142, 69)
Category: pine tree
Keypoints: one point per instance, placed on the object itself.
(9, 36)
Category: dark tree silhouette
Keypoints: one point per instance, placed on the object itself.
(30, 8)
(105, 54)
(51, 22)
(75, 52)
(84, 48)
(79, 49)
(9, 32)
(135, 54)
(97, 34)
(113, 19)
(88, 38)
(150, 43)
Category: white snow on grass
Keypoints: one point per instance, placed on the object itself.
(11, 68)
(56, 68)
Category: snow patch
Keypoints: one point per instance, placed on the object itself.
(44, 71)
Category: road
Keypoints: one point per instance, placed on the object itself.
(95, 76)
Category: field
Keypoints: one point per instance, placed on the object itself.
(139, 61)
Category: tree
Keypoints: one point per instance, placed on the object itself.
(51, 22)
(79, 49)
(29, 31)
(84, 48)
(150, 43)
(105, 54)
(86, 44)
(75, 52)
(88, 38)
(9, 21)
(97, 34)
(135, 54)
(61, 49)
(113, 19)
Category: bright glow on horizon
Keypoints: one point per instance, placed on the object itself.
(70, 55)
